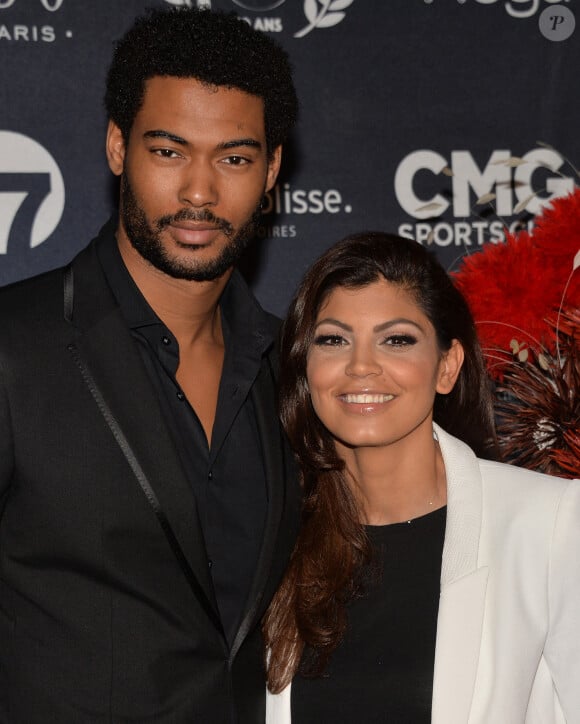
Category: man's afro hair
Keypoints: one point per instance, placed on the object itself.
(213, 47)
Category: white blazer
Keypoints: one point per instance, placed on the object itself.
(508, 631)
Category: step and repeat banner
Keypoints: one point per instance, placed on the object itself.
(442, 120)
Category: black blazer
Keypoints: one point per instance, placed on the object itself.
(106, 606)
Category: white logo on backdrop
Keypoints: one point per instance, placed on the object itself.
(259, 5)
(520, 8)
(556, 21)
(283, 199)
(323, 14)
(292, 203)
(31, 190)
(51, 5)
(190, 3)
(22, 33)
(505, 185)
(319, 13)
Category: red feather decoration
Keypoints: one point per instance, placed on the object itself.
(513, 287)
(525, 299)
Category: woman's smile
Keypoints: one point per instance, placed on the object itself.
(374, 365)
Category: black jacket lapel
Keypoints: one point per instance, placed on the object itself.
(106, 355)
(283, 497)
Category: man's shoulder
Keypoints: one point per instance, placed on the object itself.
(39, 297)
(33, 293)
(31, 316)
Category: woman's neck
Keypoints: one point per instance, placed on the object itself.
(397, 482)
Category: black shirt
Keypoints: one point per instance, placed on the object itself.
(227, 477)
(382, 672)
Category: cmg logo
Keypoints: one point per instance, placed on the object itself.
(31, 192)
(507, 180)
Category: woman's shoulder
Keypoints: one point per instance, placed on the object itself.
(519, 494)
(501, 472)
(504, 484)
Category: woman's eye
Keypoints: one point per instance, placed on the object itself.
(329, 340)
(400, 340)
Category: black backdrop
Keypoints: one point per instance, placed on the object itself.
(412, 111)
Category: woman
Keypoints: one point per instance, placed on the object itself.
(427, 584)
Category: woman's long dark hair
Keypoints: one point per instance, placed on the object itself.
(309, 610)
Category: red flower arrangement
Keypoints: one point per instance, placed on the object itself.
(525, 298)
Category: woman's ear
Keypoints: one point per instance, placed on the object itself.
(115, 147)
(449, 367)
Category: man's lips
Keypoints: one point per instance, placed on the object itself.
(192, 232)
(194, 225)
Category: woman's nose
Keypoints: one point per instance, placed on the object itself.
(363, 362)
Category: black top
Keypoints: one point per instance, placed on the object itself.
(227, 477)
(383, 670)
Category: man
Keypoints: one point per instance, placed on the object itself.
(148, 503)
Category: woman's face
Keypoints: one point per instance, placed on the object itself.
(374, 366)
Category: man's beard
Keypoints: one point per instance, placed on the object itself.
(147, 240)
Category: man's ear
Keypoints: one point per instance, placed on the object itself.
(273, 167)
(449, 367)
(115, 148)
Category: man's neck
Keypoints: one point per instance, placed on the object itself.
(190, 309)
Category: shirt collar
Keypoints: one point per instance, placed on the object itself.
(247, 326)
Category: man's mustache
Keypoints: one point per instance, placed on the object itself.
(203, 215)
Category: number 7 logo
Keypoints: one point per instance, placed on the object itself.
(31, 193)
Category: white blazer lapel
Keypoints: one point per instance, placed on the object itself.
(462, 603)
(278, 707)
(459, 626)
(463, 587)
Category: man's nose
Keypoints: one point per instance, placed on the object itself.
(198, 185)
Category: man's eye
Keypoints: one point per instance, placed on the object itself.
(329, 340)
(165, 152)
(236, 160)
(400, 340)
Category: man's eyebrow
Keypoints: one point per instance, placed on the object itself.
(237, 142)
(165, 134)
(224, 146)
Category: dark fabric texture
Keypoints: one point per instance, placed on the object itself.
(98, 622)
(382, 673)
(227, 478)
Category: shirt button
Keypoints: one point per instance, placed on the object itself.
(180, 396)
(210, 475)
(210, 564)
(165, 340)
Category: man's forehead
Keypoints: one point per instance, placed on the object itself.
(193, 113)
